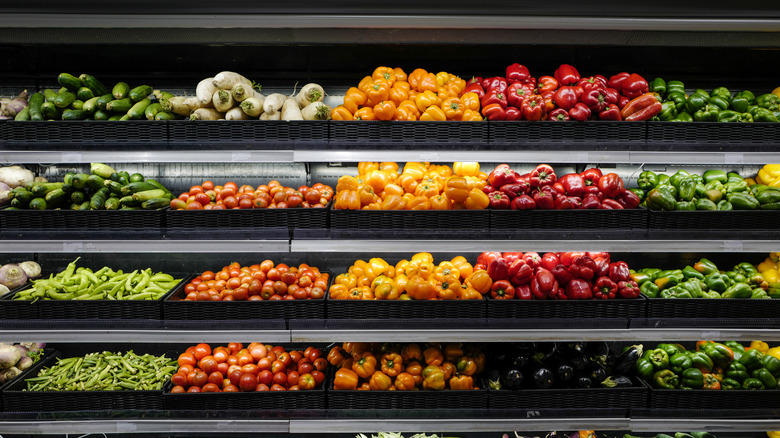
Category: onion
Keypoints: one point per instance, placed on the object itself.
(15, 176)
(9, 355)
(31, 269)
(12, 276)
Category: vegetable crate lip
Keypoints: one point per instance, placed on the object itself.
(287, 400)
(403, 134)
(175, 308)
(748, 220)
(635, 218)
(16, 309)
(731, 308)
(593, 308)
(47, 353)
(17, 399)
(267, 134)
(747, 137)
(603, 135)
(405, 309)
(374, 399)
(711, 399)
(88, 219)
(249, 218)
(634, 397)
(408, 219)
(62, 134)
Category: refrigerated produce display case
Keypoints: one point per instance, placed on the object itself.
(173, 46)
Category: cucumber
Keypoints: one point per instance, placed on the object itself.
(74, 206)
(115, 117)
(119, 105)
(23, 115)
(137, 110)
(124, 177)
(50, 94)
(75, 114)
(18, 204)
(85, 93)
(130, 208)
(20, 194)
(128, 201)
(139, 93)
(149, 194)
(99, 199)
(156, 203)
(90, 105)
(77, 104)
(34, 103)
(68, 178)
(38, 204)
(161, 187)
(120, 90)
(78, 197)
(101, 170)
(165, 115)
(124, 117)
(50, 111)
(55, 197)
(136, 177)
(93, 84)
(152, 110)
(103, 100)
(112, 203)
(84, 206)
(114, 187)
(67, 188)
(80, 181)
(95, 183)
(64, 99)
(41, 190)
(69, 81)
(138, 187)
(162, 95)
(101, 115)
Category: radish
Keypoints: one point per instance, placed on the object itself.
(242, 92)
(223, 100)
(176, 105)
(309, 94)
(204, 92)
(194, 103)
(236, 113)
(206, 114)
(253, 106)
(275, 116)
(273, 103)
(291, 110)
(226, 80)
(316, 111)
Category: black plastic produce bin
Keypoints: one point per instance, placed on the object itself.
(635, 218)
(247, 134)
(18, 309)
(86, 134)
(47, 353)
(405, 309)
(82, 220)
(713, 399)
(727, 221)
(634, 397)
(615, 308)
(358, 399)
(380, 220)
(708, 137)
(573, 136)
(730, 308)
(286, 400)
(248, 218)
(408, 135)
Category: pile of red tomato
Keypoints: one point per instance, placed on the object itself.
(207, 196)
(256, 367)
(264, 281)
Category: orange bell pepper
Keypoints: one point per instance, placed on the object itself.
(470, 101)
(341, 113)
(452, 351)
(354, 98)
(464, 267)
(422, 257)
(365, 167)
(433, 355)
(389, 166)
(355, 347)
(345, 379)
(407, 182)
(338, 291)
(465, 168)
(356, 293)
(440, 202)
(446, 271)
(366, 194)
(425, 100)
(377, 267)
(400, 282)
(385, 73)
(448, 290)
(453, 108)
(346, 279)
(364, 365)
(433, 114)
(400, 74)
(415, 77)
(405, 382)
(336, 356)
(393, 202)
(427, 190)
(480, 280)
(378, 91)
(346, 182)
(472, 116)
(466, 365)
(386, 291)
(392, 364)
(419, 289)
(365, 83)
(448, 368)
(428, 83)
(385, 110)
(480, 360)
(456, 189)
(459, 382)
(416, 170)
(347, 200)
(404, 114)
(379, 381)
(411, 352)
(434, 379)
(398, 94)
(414, 368)
(419, 203)
(442, 78)
(378, 180)
(392, 189)
(366, 113)
(477, 200)
(469, 293)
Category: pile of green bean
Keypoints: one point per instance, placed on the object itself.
(105, 371)
(104, 284)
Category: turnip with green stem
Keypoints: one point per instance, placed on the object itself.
(309, 94)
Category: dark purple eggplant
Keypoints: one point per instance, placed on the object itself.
(577, 359)
(596, 372)
(519, 360)
(574, 346)
(543, 351)
(617, 381)
(626, 361)
(583, 382)
(597, 351)
(564, 372)
(543, 378)
(512, 379)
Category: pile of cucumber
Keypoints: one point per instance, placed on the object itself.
(86, 98)
(103, 189)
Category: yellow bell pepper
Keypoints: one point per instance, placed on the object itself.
(771, 276)
(766, 265)
(761, 346)
(774, 351)
(773, 434)
(750, 181)
(425, 99)
(776, 91)
(433, 114)
(466, 168)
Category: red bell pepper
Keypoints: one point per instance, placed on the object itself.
(566, 97)
(578, 289)
(564, 202)
(488, 189)
(591, 82)
(634, 86)
(533, 259)
(523, 292)
(548, 189)
(611, 184)
(611, 95)
(511, 256)
(611, 112)
(516, 189)
(494, 111)
(513, 113)
(559, 190)
(593, 190)
(580, 112)
(598, 255)
(523, 202)
(517, 92)
(517, 73)
(531, 82)
(591, 176)
(475, 80)
(533, 108)
(499, 200)
(573, 183)
(595, 99)
(628, 289)
(495, 83)
(611, 204)
(493, 96)
(604, 288)
(544, 285)
(550, 260)
(591, 202)
(628, 199)
(474, 88)
(561, 274)
(642, 107)
(498, 269)
(559, 115)
(561, 294)
(567, 258)
(622, 102)
(602, 266)
(520, 272)
(547, 83)
(502, 290)
(617, 80)
(502, 175)
(549, 102)
(619, 271)
(583, 267)
(543, 175)
(488, 256)
(544, 200)
(567, 75)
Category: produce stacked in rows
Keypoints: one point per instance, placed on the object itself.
(548, 365)
(703, 280)
(103, 284)
(258, 367)
(556, 276)
(18, 357)
(713, 366)
(230, 96)
(713, 190)
(407, 367)
(207, 196)
(264, 281)
(415, 279)
(420, 186)
(717, 105)
(105, 371)
(13, 275)
(542, 189)
(103, 189)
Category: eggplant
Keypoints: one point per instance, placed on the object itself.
(596, 372)
(626, 361)
(577, 359)
(519, 360)
(597, 351)
(574, 346)
(543, 378)
(617, 381)
(564, 372)
(583, 382)
(544, 351)
(493, 378)
(512, 379)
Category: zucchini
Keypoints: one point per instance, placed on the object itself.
(124, 177)
(130, 208)
(162, 95)
(55, 197)
(23, 115)
(136, 177)
(128, 201)
(115, 117)
(156, 203)
(99, 199)
(75, 114)
(67, 188)
(161, 187)
(120, 90)
(50, 94)
(93, 84)
(68, 178)
(85, 93)
(149, 194)
(18, 204)
(84, 206)
(136, 187)
(119, 105)
(74, 206)
(95, 183)
(114, 187)
(69, 81)
(41, 190)
(115, 177)
(34, 103)
(78, 197)
(139, 93)
(101, 170)
(50, 111)
(38, 204)
(152, 110)
(64, 99)
(80, 181)
(90, 105)
(124, 117)
(112, 203)
(77, 104)
(101, 115)
(20, 194)
(103, 101)
(137, 110)
(165, 115)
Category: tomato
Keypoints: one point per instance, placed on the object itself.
(316, 293)
(320, 364)
(230, 388)
(289, 277)
(306, 381)
(207, 276)
(246, 204)
(207, 185)
(277, 366)
(202, 199)
(194, 389)
(305, 281)
(218, 207)
(276, 387)
(241, 294)
(284, 357)
(258, 351)
(298, 293)
(280, 378)
(248, 382)
(179, 379)
(273, 274)
(319, 377)
(235, 376)
(186, 369)
(276, 298)
(294, 200)
(187, 359)
(208, 364)
(177, 389)
(312, 353)
(255, 286)
(262, 387)
(195, 205)
(223, 367)
(235, 347)
(230, 202)
(296, 356)
(280, 287)
(194, 190)
(216, 378)
(245, 358)
(250, 368)
(313, 196)
(178, 204)
(305, 366)
(264, 363)
(221, 354)
(200, 378)
(184, 196)
(292, 378)
(231, 185)
(246, 189)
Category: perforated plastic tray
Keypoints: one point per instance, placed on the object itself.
(92, 134)
(635, 218)
(602, 135)
(408, 135)
(248, 134)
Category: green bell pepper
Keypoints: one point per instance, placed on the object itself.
(731, 116)
(770, 206)
(736, 371)
(711, 295)
(708, 113)
(745, 268)
(760, 114)
(638, 192)
(769, 101)
(714, 175)
(702, 92)
(736, 187)
(668, 111)
(763, 374)
(751, 359)
(705, 266)
(752, 383)
(739, 103)
(675, 86)
(660, 200)
(671, 349)
(759, 294)
(689, 272)
(772, 364)
(647, 180)
(667, 279)
(742, 201)
(735, 346)
(713, 196)
(734, 177)
(738, 290)
(675, 292)
(719, 101)
(685, 189)
(685, 206)
(678, 176)
(715, 185)
(706, 204)
(650, 289)
(680, 362)
(667, 379)
(725, 205)
(721, 92)
(701, 361)
(716, 282)
(692, 379)
(720, 354)
(692, 287)
(768, 196)
(659, 358)
(730, 384)
(658, 85)
(644, 369)
(695, 102)
(682, 116)
(747, 94)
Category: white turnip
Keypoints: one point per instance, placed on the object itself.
(316, 111)
(273, 103)
(204, 92)
(242, 92)
(223, 100)
(176, 105)
(226, 80)
(253, 106)
(206, 114)
(309, 94)
(10, 374)
(275, 116)
(24, 363)
(9, 355)
(4, 290)
(291, 110)
(15, 176)
(12, 276)
(236, 113)
(31, 269)
(4, 187)
(194, 103)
